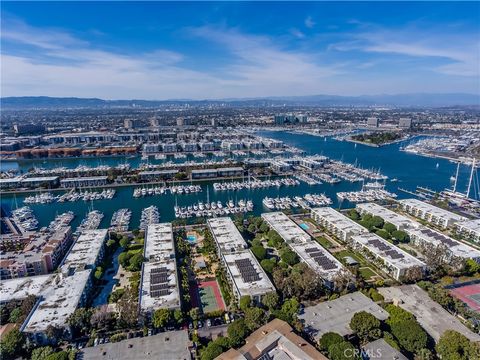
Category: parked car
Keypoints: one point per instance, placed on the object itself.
(209, 322)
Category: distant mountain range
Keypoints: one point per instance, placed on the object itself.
(398, 100)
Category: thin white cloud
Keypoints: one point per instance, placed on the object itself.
(54, 62)
(460, 50)
(309, 23)
(297, 33)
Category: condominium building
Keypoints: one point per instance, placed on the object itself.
(58, 300)
(336, 223)
(243, 270)
(308, 250)
(87, 252)
(400, 221)
(41, 252)
(78, 182)
(421, 235)
(159, 282)
(393, 260)
(430, 213)
(469, 229)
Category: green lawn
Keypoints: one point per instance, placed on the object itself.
(367, 273)
(341, 254)
(324, 242)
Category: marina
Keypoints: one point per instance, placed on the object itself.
(213, 209)
(71, 196)
(150, 216)
(254, 184)
(306, 202)
(408, 170)
(24, 219)
(162, 190)
(61, 221)
(91, 222)
(120, 220)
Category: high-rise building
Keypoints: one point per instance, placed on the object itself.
(405, 123)
(131, 123)
(22, 129)
(372, 121)
(154, 122)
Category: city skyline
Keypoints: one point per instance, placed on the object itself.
(238, 50)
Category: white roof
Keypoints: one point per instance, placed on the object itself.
(436, 238)
(471, 225)
(226, 235)
(259, 287)
(171, 300)
(400, 221)
(160, 253)
(86, 178)
(58, 302)
(432, 210)
(159, 241)
(339, 220)
(387, 251)
(325, 271)
(84, 252)
(286, 228)
(20, 288)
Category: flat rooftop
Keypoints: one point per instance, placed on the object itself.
(470, 225)
(226, 235)
(338, 220)
(319, 259)
(85, 178)
(387, 251)
(171, 345)
(286, 227)
(59, 301)
(431, 315)
(432, 209)
(20, 288)
(400, 221)
(436, 238)
(159, 241)
(248, 276)
(335, 315)
(84, 252)
(380, 346)
(159, 286)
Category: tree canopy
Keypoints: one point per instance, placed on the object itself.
(455, 346)
(365, 325)
(328, 339)
(161, 318)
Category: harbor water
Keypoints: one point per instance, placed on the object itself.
(408, 170)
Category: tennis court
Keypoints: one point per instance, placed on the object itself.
(469, 294)
(208, 297)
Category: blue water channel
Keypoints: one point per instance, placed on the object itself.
(410, 170)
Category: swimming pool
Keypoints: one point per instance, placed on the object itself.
(191, 238)
(304, 226)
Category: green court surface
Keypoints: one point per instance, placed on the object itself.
(208, 299)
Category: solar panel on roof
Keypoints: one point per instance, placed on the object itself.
(158, 279)
(161, 286)
(247, 270)
(158, 270)
(159, 293)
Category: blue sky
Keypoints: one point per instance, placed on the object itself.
(161, 50)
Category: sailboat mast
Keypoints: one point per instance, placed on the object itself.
(471, 178)
(456, 178)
